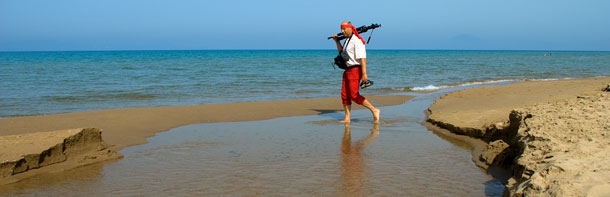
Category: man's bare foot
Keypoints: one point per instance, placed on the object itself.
(345, 121)
(376, 115)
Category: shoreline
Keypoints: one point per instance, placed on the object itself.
(387, 91)
(125, 127)
(521, 127)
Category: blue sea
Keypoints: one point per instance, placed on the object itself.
(33, 83)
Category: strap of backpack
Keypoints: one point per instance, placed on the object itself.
(346, 43)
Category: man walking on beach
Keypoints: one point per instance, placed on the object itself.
(355, 55)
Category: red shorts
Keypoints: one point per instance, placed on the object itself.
(351, 85)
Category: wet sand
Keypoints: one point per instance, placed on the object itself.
(128, 127)
(306, 155)
(552, 135)
(131, 126)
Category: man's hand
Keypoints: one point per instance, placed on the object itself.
(339, 47)
(365, 78)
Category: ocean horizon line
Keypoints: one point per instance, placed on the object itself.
(137, 50)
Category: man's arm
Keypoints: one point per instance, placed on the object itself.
(339, 47)
(365, 78)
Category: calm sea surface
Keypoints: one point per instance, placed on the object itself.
(56, 82)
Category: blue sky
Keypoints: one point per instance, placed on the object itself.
(284, 24)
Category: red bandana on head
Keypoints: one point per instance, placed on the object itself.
(353, 30)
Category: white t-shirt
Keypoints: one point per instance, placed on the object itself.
(354, 51)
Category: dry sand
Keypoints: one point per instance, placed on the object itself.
(552, 135)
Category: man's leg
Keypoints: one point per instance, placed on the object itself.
(354, 93)
(347, 102)
(374, 110)
(347, 109)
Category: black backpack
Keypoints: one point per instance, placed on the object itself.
(339, 61)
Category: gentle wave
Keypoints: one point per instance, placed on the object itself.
(65, 98)
(549, 79)
(437, 87)
(429, 88)
(132, 96)
(485, 82)
(122, 96)
(300, 92)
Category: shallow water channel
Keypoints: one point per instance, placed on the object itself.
(311, 155)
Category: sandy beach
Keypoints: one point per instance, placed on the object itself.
(552, 135)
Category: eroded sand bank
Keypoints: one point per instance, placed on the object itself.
(25, 155)
(552, 135)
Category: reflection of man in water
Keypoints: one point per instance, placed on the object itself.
(352, 163)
